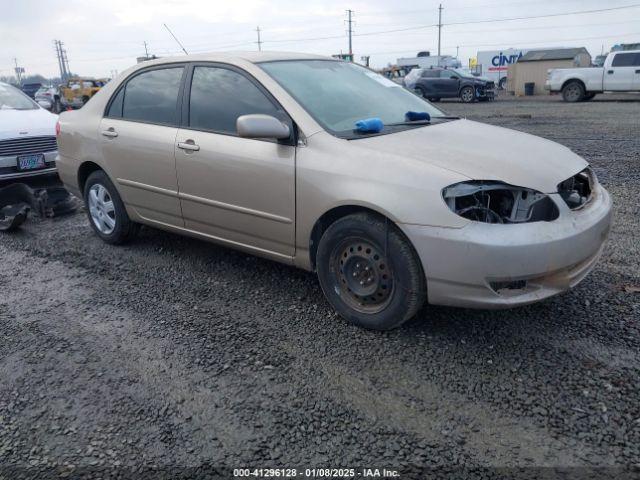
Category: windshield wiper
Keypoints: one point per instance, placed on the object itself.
(414, 122)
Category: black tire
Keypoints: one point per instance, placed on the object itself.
(419, 91)
(468, 95)
(358, 248)
(502, 84)
(573, 92)
(124, 230)
(434, 99)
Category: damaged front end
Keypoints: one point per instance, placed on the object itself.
(498, 202)
(18, 199)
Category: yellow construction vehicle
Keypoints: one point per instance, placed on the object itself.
(78, 90)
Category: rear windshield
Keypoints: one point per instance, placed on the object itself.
(13, 99)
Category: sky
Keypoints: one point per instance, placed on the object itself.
(102, 37)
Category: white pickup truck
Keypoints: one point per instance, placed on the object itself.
(620, 73)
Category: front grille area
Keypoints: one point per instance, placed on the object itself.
(27, 146)
(576, 191)
(490, 86)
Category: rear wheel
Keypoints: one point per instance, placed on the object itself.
(369, 272)
(107, 214)
(419, 91)
(573, 92)
(467, 94)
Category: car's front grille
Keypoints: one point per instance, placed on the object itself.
(27, 146)
(490, 86)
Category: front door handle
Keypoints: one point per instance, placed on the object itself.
(189, 145)
(610, 72)
(111, 133)
(637, 71)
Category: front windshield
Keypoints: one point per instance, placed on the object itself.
(338, 94)
(13, 99)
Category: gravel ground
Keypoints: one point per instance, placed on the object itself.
(182, 358)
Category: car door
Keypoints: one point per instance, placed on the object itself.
(620, 74)
(449, 83)
(137, 139)
(234, 189)
(636, 72)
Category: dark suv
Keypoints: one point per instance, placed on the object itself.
(437, 83)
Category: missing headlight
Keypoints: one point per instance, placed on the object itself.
(497, 202)
(576, 191)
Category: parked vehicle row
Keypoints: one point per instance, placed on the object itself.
(620, 73)
(263, 152)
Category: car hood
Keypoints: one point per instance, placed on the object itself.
(19, 123)
(483, 152)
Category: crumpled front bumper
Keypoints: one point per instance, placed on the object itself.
(500, 266)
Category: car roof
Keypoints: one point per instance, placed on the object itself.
(252, 57)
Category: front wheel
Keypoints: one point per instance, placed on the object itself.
(573, 92)
(467, 95)
(369, 272)
(107, 214)
(419, 91)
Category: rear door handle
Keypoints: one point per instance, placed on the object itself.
(637, 71)
(610, 72)
(190, 146)
(111, 133)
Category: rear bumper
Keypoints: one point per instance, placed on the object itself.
(501, 266)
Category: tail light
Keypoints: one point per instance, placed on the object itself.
(58, 128)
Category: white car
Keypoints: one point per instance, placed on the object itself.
(620, 73)
(27, 136)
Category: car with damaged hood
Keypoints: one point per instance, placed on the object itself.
(330, 167)
(27, 136)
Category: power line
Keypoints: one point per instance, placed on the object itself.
(549, 15)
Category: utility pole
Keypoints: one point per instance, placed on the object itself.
(19, 71)
(146, 52)
(350, 22)
(439, 31)
(63, 62)
(259, 42)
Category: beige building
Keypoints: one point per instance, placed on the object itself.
(533, 67)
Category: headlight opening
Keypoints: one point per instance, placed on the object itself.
(498, 202)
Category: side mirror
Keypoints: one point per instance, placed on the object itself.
(261, 126)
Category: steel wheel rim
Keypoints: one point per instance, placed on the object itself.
(573, 92)
(102, 209)
(364, 277)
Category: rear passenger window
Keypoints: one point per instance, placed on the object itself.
(626, 60)
(219, 96)
(153, 96)
(115, 109)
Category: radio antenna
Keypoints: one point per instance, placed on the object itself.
(176, 39)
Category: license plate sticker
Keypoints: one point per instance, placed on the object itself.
(31, 162)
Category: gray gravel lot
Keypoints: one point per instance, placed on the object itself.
(172, 353)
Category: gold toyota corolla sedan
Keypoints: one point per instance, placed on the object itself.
(333, 168)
